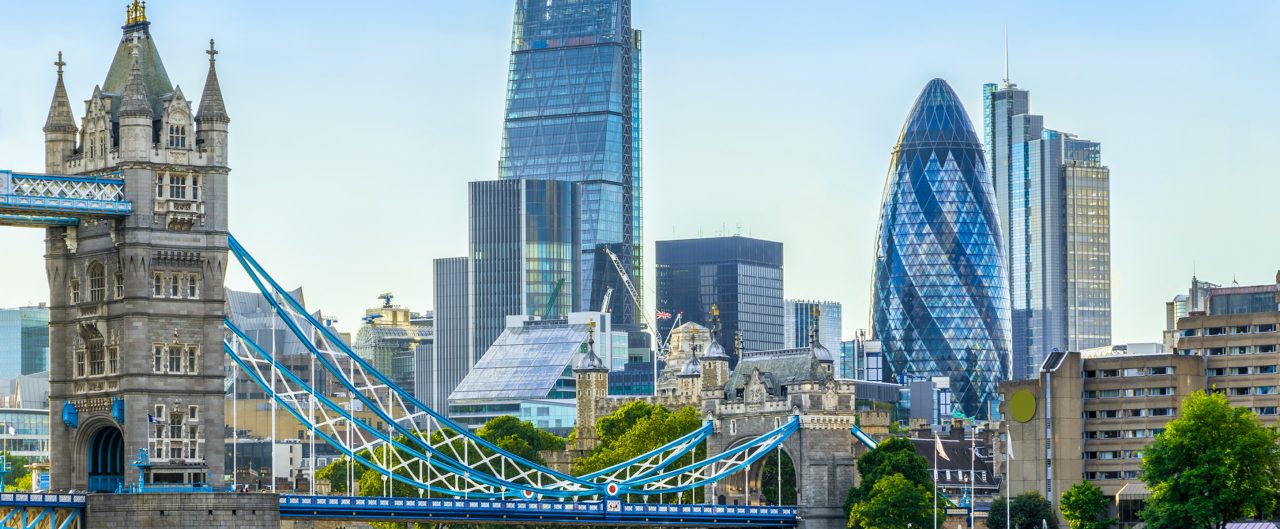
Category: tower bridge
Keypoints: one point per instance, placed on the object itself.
(133, 201)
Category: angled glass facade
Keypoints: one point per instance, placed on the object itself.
(1054, 196)
(940, 305)
(798, 322)
(573, 114)
(24, 341)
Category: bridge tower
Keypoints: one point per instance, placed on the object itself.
(136, 300)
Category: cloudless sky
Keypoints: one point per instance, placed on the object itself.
(356, 125)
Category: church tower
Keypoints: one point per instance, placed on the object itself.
(592, 378)
(137, 302)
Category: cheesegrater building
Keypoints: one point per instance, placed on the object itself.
(940, 304)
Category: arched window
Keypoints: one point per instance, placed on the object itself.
(97, 282)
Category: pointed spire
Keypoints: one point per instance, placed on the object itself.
(591, 362)
(60, 117)
(135, 102)
(211, 105)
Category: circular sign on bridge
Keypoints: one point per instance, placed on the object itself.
(611, 489)
(1022, 405)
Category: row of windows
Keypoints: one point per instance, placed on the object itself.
(1123, 434)
(1245, 391)
(177, 136)
(96, 360)
(1124, 414)
(97, 285)
(1114, 454)
(1233, 350)
(175, 358)
(1128, 392)
(1130, 372)
(1111, 474)
(1241, 370)
(175, 285)
(179, 186)
(1235, 329)
(959, 475)
(176, 435)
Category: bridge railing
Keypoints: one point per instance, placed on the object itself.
(57, 195)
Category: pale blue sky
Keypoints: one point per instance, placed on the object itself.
(356, 125)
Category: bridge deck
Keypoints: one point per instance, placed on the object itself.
(611, 512)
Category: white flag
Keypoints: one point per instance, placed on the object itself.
(1008, 445)
(937, 445)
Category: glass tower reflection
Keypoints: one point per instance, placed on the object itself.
(573, 114)
(940, 304)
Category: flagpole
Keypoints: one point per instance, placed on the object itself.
(935, 483)
(1008, 475)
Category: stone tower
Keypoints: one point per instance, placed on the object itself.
(137, 302)
(592, 378)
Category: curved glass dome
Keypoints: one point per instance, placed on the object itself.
(940, 304)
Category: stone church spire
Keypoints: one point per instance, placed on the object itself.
(135, 102)
(211, 105)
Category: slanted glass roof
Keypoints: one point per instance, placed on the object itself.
(524, 363)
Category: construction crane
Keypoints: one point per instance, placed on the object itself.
(631, 288)
(662, 346)
(551, 300)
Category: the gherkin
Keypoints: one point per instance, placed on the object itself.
(940, 304)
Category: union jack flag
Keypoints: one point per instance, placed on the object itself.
(664, 315)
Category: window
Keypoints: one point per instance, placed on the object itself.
(1215, 331)
(1167, 370)
(1266, 410)
(157, 287)
(193, 286)
(97, 282)
(1238, 392)
(75, 291)
(177, 186)
(733, 427)
(1217, 351)
(1161, 412)
(1264, 390)
(1108, 373)
(159, 187)
(1090, 374)
(1134, 372)
(1240, 329)
(195, 187)
(1267, 327)
(119, 284)
(97, 358)
(1188, 332)
(1242, 370)
(113, 360)
(177, 136)
(175, 359)
(192, 359)
(80, 353)
(193, 413)
(1269, 348)
(1159, 392)
(157, 351)
(1266, 370)
(175, 286)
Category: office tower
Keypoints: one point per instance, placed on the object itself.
(521, 248)
(1195, 300)
(399, 344)
(24, 340)
(738, 276)
(573, 114)
(451, 341)
(940, 304)
(1054, 196)
(798, 321)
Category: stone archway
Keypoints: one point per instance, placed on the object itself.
(104, 459)
(777, 468)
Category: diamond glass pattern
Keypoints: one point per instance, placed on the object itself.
(941, 304)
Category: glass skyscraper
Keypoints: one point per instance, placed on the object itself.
(798, 322)
(940, 305)
(740, 276)
(1054, 194)
(573, 114)
(24, 341)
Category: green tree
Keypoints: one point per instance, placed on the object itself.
(1030, 511)
(769, 479)
(638, 427)
(1212, 465)
(895, 502)
(1085, 507)
(896, 455)
(519, 437)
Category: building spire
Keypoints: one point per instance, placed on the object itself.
(1006, 56)
(135, 102)
(211, 106)
(60, 117)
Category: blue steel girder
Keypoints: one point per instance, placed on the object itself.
(610, 512)
(20, 510)
(54, 200)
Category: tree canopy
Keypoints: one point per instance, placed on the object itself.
(519, 437)
(895, 502)
(1212, 465)
(635, 428)
(1030, 511)
(1085, 507)
(895, 455)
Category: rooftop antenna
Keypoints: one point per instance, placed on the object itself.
(1006, 55)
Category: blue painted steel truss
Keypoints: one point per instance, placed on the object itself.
(20, 510)
(427, 451)
(54, 200)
